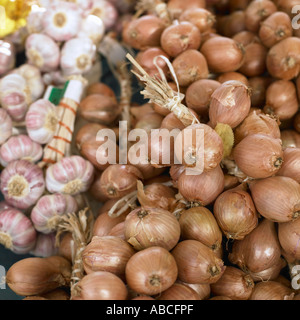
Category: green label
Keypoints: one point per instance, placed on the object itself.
(57, 94)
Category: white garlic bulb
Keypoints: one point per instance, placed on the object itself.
(20, 147)
(34, 21)
(71, 175)
(14, 96)
(7, 56)
(46, 214)
(43, 52)
(106, 12)
(84, 5)
(6, 127)
(77, 56)
(62, 21)
(34, 80)
(42, 121)
(92, 27)
(22, 183)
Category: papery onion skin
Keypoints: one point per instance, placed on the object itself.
(176, 7)
(271, 273)
(291, 165)
(259, 250)
(179, 291)
(197, 263)
(234, 284)
(276, 198)
(271, 290)
(290, 138)
(151, 271)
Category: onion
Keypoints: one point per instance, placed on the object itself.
(234, 284)
(228, 76)
(268, 274)
(277, 198)
(259, 250)
(290, 138)
(203, 19)
(297, 122)
(87, 132)
(151, 271)
(271, 290)
(171, 122)
(290, 167)
(258, 86)
(176, 7)
(197, 263)
(100, 88)
(179, 291)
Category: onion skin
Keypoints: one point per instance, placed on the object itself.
(259, 156)
(258, 86)
(151, 271)
(213, 50)
(290, 138)
(203, 19)
(197, 263)
(271, 273)
(234, 284)
(283, 59)
(291, 165)
(203, 188)
(288, 234)
(271, 290)
(230, 104)
(179, 291)
(259, 250)
(199, 224)
(228, 76)
(276, 198)
(235, 213)
(177, 7)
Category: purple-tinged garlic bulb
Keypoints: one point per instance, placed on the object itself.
(4, 205)
(14, 96)
(34, 21)
(46, 214)
(106, 12)
(34, 80)
(71, 175)
(77, 56)
(43, 52)
(62, 21)
(22, 183)
(92, 27)
(7, 56)
(6, 126)
(20, 147)
(45, 245)
(84, 5)
(16, 231)
(42, 121)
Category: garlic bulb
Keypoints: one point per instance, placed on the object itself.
(62, 21)
(42, 51)
(16, 231)
(14, 96)
(6, 127)
(7, 56)
(71, 175)
(20, 147)
(42, 121)
(33, 78)
(47, 212)
(45, 246)
(93, 28)
(84, 5)
(77, 56)
(34, 20)
(22, 184)
(106, 12)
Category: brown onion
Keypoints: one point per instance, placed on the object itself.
(101, 285)
(99, 108)
(228, 76)
(198, 95)
(118, 180)
(177, 7)
(189, 67)
(203, 19)
(171, 122)
(238, 4)
(191, 152)
(283, 59)
(271, 290)
(203, 290)
(258, 87)
(203, 188)
(230, 104)
(197, 263)
(234, 284)
(231, 24)
(256, 12)
(146, 227)
(275, 28)
(199, 223)
(87, 132)
(143, 32)
(271, 273)
(281, 99)
(259, 250)
(246, 37)
(220, 298)
(106, 253)
(149, 121)
(180, 36)
(67, 246)
(291, 165)
(230, 182)
(101, 88)
(290, 138)
(223, 54)
(259, 156)
(235, 213)
(277, 198)
(118, 230)
(151, 271)
(179, 291)
(297, 122)
(257, 123)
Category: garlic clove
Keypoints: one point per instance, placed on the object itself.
(93, 28)
(6, 126)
